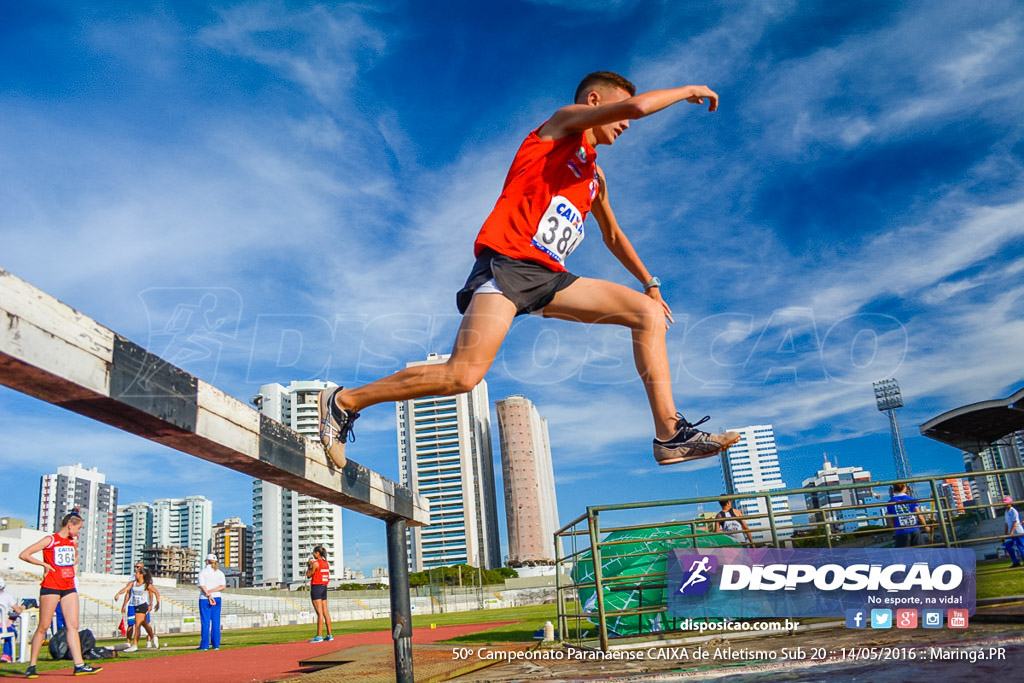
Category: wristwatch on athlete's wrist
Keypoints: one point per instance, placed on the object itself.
(653, 282)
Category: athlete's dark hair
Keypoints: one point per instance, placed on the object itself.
(147, 577)
(320, 550)
(602, 78)
(723, 503)
(74, 514)
(899, 486)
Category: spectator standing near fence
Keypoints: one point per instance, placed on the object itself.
(319, 574)
(211, 582)
(1015, 543)
(731, 521)
(907, 522)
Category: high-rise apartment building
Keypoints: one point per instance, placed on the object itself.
(752, 466)
(1008, 453)
(531, 511)
(184, 523)
(956, 493)
(132, 533)
(143, 529)
(821, 502)
(74, 486)
(444, 452)
(288, 525)
(232, 544)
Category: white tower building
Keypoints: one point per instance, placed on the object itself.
(184, 523)
(133, 531)
(75, 486)
(444, 452)
(288, 525)
(752, 466)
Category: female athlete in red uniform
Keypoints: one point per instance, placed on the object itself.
(60, 557)
(319, 574)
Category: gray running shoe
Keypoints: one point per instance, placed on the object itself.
(690, 443)
(335, 426)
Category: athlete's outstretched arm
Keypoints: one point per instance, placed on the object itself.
(594, 112)
(617, 242)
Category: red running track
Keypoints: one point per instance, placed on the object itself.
(248, 664)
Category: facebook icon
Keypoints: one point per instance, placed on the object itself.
(856, 618)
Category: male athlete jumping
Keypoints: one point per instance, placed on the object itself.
(521, 252)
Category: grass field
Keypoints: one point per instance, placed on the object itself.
(996, 579)
(531, 618)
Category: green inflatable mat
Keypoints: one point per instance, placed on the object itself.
(624, 571)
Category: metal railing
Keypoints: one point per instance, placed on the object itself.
(584, 615)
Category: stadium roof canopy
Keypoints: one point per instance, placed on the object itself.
(976, 426)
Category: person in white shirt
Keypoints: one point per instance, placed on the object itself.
(211, 583)
(9, 610)
(1015, 543)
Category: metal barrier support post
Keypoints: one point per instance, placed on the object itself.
(595, 554)
(559, 595)
(940, 514)
(771, 521)
(401, 608)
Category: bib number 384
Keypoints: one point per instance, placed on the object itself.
(560, 229)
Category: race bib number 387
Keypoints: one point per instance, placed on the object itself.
(560, 229)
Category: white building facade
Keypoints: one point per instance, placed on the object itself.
(752, 466)
(184, 523)
(842, 520)
(75, 486)
(133, 531)
(288, 525)
(445, 454)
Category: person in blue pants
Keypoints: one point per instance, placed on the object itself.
(1015, 543)
(211, 583)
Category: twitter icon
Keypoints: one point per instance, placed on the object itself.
(881, 618)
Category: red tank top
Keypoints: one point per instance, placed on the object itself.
(322, 574)
(60, 555)
(547, 194)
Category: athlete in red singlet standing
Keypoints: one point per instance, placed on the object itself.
(521, 252)
(60, 557)
(319, 573)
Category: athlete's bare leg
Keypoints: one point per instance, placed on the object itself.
(596, 301)
(483, 328)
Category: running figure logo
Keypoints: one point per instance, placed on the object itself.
(695, 573)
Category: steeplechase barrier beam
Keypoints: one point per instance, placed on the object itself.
(52, 352)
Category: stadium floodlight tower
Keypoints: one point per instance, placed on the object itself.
(888, 398)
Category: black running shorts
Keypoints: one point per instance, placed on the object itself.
(530, 286)
(318, 591)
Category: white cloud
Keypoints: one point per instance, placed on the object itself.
(320, 48)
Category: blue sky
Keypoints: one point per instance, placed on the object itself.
(317, 172)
